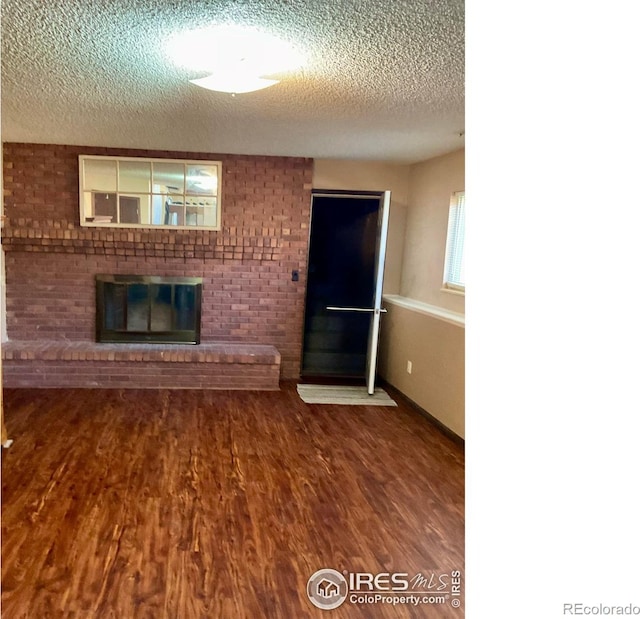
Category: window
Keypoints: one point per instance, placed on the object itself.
(454, 258)
(134, 192)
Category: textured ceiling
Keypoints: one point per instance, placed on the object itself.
(384, 79)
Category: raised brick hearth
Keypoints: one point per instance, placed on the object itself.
(248, 296)
(143, 366)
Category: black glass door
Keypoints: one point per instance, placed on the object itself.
(342, 274)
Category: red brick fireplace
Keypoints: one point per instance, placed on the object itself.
(252, 311)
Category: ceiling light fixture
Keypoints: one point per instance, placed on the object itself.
(238, 59)
(234, 80)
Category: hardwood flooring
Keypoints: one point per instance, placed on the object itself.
(219, 504)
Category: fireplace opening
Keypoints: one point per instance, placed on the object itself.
(148, 309)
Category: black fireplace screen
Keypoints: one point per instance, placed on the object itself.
(143, 308)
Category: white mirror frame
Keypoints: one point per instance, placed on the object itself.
(169, 208)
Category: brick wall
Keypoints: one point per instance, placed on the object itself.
(248, 295)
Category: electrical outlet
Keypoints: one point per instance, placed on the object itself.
(409, 367)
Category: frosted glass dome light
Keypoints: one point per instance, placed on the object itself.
(238, 59)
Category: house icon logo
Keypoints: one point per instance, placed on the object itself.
(327, 589)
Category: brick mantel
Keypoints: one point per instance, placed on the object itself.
(231, 243)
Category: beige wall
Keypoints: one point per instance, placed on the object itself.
(431, 185)
(436, 351)
(421, 195)
(373, 176)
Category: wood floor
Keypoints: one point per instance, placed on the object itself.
(219, 504)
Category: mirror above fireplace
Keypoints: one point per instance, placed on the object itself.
(135, 192)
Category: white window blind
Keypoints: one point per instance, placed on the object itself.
(454, 260)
